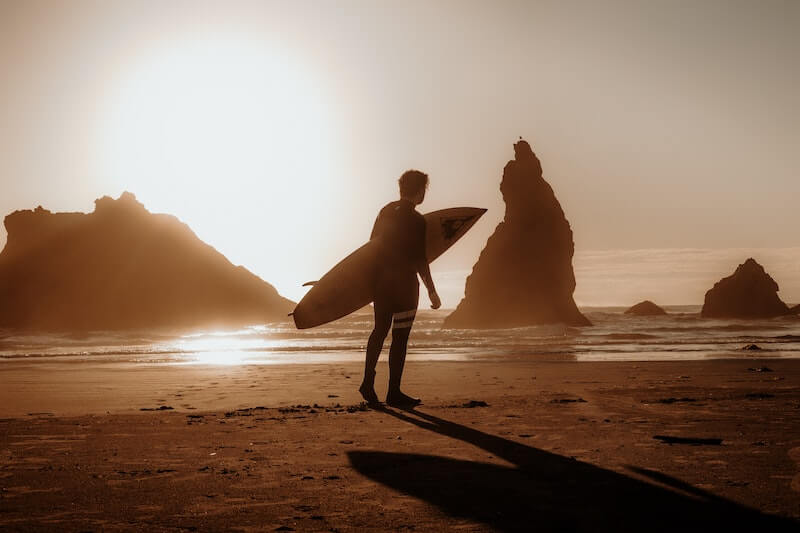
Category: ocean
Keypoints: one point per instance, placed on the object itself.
(681, 335)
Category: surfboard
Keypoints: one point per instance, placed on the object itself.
(347, 287)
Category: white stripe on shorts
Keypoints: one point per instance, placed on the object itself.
(405, 314)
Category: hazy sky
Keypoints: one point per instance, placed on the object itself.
(276, 130)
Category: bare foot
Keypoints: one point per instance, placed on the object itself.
(368, 393)
(398, 399)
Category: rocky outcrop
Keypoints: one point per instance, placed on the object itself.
(795, 310)
(122, 267)
(524, 274)
(645, 308)
(748, 293)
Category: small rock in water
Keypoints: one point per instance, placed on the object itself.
(760, 369)
(752, 347)
(645, 308)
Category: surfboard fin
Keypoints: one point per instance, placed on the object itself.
(309, 283)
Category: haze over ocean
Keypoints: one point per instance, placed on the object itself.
(668, 276)
(674, 276)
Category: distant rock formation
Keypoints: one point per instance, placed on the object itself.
(122, 267)
(749, 293)
(524, 274)
(751, 347)
(645, 308)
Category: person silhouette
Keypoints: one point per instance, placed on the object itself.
(399, 232)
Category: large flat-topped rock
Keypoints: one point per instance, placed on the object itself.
(122, 267)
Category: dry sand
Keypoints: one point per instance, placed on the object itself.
(558, 447)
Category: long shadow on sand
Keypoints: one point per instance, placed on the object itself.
(549, 492)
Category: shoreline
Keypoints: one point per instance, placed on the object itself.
(86, 388)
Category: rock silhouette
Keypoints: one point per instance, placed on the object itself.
(524, 274)
(645, 308)
(748, 293)
(122, 267)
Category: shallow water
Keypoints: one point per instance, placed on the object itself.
(681, 335)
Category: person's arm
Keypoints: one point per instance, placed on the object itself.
(425, 271)
(425, 274)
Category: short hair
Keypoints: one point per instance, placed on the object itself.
(412, 182)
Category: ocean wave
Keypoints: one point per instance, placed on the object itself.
(613, 335)
(627, 336)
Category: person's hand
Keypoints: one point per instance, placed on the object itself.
(436, 303)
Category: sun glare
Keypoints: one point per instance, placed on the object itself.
(245, 346)
(229, 134)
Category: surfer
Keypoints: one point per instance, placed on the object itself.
(400, 232)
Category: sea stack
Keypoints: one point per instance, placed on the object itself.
(645, 308)
(748, 293)
(524, 274)
(122, 267)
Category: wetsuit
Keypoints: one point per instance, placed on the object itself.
(399, 230)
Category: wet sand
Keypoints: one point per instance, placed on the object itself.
(509, 446)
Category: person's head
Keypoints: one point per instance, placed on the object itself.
(413, 185)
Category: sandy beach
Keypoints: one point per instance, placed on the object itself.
(555, 446)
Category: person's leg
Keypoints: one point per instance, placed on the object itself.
(397, 359)
(383, 320)
(401, 329)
